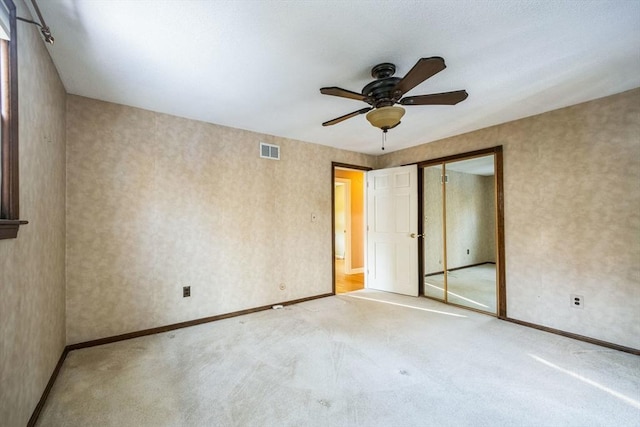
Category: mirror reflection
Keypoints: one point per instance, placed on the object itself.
(432, 229)
(467, 273)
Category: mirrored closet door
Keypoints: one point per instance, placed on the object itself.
(460, 232)
(433, 231)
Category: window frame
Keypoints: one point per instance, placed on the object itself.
(9, 188)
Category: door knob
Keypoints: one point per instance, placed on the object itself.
(414, 235)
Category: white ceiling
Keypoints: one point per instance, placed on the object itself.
(259, 65)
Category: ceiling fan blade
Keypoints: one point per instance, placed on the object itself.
(346, 116)
(445, 98)
(336, 91)
(424, 68)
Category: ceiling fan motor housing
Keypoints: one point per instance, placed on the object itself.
(379, 93)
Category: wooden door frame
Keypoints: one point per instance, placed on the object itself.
(501, 309)
(334, 166)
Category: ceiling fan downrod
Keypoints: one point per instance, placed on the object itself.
(384, 137)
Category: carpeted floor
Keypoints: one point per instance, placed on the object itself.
(360, 359)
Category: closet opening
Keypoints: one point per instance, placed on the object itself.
(461, 224)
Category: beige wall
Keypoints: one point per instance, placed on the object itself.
(357, 215)
(156, 202)
(572, 213)
(32, 291)
(432, 204)
(470, 219)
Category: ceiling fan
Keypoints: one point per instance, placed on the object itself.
(386, 91)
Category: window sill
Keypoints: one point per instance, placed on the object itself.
(9, 228)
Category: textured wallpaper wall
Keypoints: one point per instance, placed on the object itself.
(157, 202)
(432, 204)
(470, 215)
(470, 219)
(572, 213)
(32, 267)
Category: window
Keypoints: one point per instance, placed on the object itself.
(9, 200)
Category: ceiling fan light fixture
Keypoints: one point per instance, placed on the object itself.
(385, 117)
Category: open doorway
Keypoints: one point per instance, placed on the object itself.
(348, 228)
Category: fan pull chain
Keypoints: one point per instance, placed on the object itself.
(384, 138)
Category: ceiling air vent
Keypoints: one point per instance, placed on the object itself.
(269, 151)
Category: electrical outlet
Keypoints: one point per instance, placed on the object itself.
(467, 251)
(186, 291)
(577, 301)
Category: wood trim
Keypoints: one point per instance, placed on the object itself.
(8, 148)
(9, 193)
(152, 331)
(575, 336)
(69, 348)
(47, 389)
(445, 252)
(333, 228)
(14, 203)
(160, 329)
(461, 156)
(502, 277)
(9, 228)
(459, 268)
(421, 274)
(10, 173)
(348, 166)
(496, 151)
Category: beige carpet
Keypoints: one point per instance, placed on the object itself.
(473, 287)
(361, 359)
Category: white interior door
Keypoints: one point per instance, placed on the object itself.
(392, 228)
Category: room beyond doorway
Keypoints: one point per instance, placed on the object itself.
(347, 282)
(348, 221)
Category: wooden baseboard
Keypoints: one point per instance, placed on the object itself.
(459, 268)
(186, 324)
(152, 331)
(575, 336)
(47, 389)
